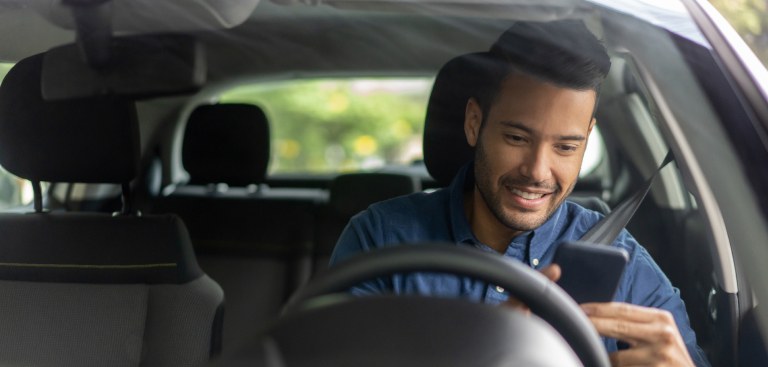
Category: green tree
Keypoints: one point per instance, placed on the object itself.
(339, 124)
(750, 19)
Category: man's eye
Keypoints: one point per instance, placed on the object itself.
(514, 138)
(567, 148)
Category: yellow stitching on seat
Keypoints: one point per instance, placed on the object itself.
(82, 266)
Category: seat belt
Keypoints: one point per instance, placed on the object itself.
(608, 229)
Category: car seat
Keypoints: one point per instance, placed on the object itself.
(92, 289)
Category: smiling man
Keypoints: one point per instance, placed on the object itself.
(528, 122)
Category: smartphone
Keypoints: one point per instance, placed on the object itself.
(590, 272)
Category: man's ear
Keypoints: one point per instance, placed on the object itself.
(473, 118)
(591, 125)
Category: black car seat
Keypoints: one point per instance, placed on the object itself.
(350, 194)
(92, 289)
(252, 239)
(445, 146)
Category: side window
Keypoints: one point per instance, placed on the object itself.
(594, 155)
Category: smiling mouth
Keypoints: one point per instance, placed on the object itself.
(527, 195)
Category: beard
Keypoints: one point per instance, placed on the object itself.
(518, 219)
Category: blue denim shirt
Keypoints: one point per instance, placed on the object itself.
(439, 217)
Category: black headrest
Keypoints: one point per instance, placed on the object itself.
(93, 140)
(354, 192)
(445, 145)
(226, 143)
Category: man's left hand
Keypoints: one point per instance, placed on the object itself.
(651, 333)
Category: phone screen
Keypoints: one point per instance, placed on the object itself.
(590, 272)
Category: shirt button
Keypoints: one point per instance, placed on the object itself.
(499, 289)
(535, 262)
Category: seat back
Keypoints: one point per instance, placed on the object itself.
(254, 240)
(89, 288)
(350, 194)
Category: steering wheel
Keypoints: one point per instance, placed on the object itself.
(542, 296)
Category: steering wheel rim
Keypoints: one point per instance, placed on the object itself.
(542, 296)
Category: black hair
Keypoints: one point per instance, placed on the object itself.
(564, 53)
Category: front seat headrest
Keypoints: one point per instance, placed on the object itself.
(445, 146)
(226, 143)
(353, 192)
(93, 140)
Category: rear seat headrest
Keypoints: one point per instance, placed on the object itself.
(445, 146)
(226, 143)
(94, 140)
(354, 192)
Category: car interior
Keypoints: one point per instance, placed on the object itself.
(160, 233)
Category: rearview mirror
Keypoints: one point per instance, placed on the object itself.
(138, 67)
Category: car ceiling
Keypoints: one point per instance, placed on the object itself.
(291, 36)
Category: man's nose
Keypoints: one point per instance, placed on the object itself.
(536, 166)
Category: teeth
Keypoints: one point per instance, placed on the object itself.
(526, 195)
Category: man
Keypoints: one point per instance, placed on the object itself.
(528, 124)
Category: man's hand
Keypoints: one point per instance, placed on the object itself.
(551, 271)
(651, 333)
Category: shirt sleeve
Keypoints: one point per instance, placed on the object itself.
(646, 285)
(360, 236)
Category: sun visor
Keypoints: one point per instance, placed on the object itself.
(138, 67)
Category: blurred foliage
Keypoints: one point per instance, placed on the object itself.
(4, 68)
(750, 19)
(333, 125)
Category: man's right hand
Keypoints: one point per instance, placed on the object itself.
(551, 271)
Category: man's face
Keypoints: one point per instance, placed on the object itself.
(529, 150)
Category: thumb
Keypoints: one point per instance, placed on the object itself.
(552, 272)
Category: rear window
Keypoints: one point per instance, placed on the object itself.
(338, 125)
(343, 125)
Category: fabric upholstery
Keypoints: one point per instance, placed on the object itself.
(57, 141)
(351, 194)
(92, 289)
(181, 323)
(96, 248)
(354, 192)
(255, 243)
(107, 325)
(74, 324)
(226, 143)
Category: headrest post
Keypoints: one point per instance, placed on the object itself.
(126, 199)
(38, 196)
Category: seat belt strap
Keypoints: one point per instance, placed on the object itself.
(608, 229)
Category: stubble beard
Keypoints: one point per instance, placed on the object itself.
(520, 222)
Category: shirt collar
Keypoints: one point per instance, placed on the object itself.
(541, 239)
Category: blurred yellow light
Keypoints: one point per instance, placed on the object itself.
(365, 145)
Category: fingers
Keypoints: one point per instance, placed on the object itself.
(626, 311)
(633, 324)
(652, 334)
(515, 304)
(552, 272)
(636, 333)
(649, 356)
(631, 357)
